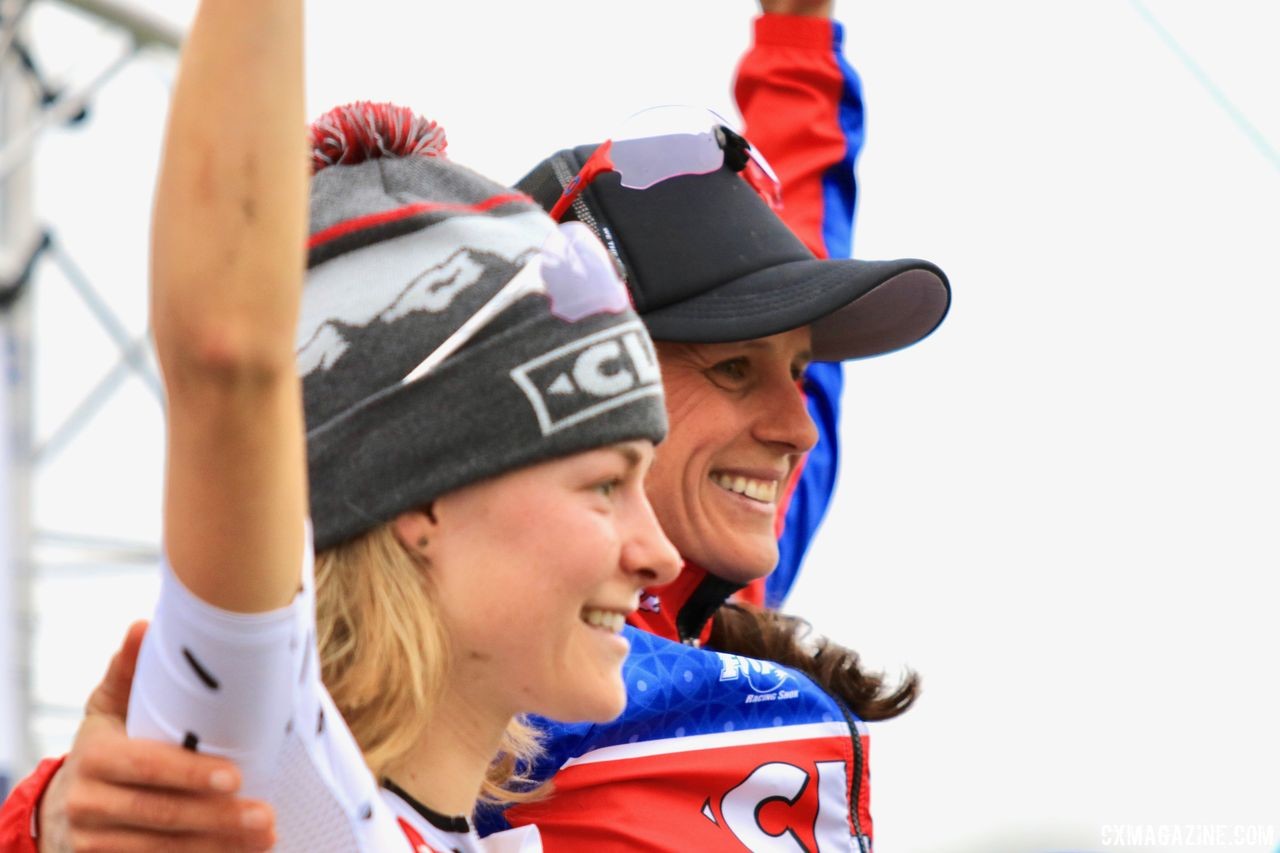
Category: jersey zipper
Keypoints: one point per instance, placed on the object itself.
(859, 760)
(856, 799)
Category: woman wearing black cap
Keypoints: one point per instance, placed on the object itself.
(738, 308)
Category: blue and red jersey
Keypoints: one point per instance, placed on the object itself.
(714, 752)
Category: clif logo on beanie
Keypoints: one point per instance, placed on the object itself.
(590, 376)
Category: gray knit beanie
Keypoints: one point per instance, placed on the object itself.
(405, 247)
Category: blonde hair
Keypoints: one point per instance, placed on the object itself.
(384, 653)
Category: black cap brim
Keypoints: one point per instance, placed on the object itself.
(857, 308)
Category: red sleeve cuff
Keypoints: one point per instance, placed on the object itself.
(794, 31)
(18, 815)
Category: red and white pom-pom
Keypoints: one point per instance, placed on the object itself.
(364, 131)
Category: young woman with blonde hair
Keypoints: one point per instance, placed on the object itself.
(480, 409)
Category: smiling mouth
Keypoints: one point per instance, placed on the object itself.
(761, 491)
(606, 620)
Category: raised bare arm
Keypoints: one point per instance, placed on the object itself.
(227, 267)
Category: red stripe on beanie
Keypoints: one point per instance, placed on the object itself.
(373, 220)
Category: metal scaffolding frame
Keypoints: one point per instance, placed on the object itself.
(30, 106)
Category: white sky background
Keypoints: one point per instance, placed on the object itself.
(1061, 509)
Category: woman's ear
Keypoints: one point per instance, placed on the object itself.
(415, 529)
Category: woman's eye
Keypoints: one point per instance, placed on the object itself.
(608, 487)
(734, 369)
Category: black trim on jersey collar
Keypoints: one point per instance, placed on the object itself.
(701, 604)
(443, 822)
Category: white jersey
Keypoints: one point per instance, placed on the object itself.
(247, 687)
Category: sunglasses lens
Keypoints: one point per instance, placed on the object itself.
(665, 142)
(660, 143)
(641, 163)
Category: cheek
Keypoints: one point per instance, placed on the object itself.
(673, 500)
(682, 404)
(491, 583)
(702, 426)
(509, 622)
(545, 572)
(663, 475)
(676, 454)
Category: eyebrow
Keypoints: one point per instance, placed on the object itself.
(755, 344)
(628, 453)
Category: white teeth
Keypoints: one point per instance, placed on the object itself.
(605, 619)
(765, 491)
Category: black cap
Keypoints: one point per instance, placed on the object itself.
(708, 261)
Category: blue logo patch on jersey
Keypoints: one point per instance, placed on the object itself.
(761, 676)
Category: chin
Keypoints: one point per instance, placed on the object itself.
(746, 564)
(602, 704)
(610, 711)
